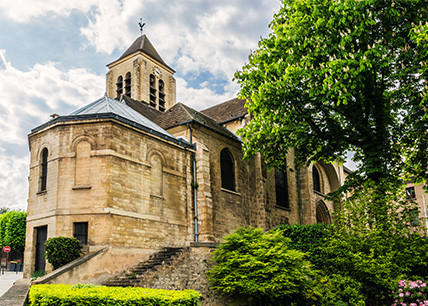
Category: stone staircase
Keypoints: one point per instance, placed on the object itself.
(133, 276)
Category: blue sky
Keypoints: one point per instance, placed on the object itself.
(53, 57)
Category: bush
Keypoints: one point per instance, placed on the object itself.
(260, 267)
(62, 250)
(337, 290)
(101, 295)
(307, 238)
(411, 293)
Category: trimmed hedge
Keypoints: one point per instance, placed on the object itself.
(62, 250)
(42, 295)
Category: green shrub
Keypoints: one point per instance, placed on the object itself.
(337, 290)
(261, 267)
(307, 238)
(62, 250)
(100, 295)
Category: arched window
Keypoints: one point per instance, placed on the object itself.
(156, 175)
(322, 213)
(281, 189)
(128, 84)
(44, 169)
(227, 170)
(161, 96)
(316, 179)
(119, 86)
(152, 91)
(83, 162)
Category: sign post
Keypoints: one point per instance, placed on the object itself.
(6, 249)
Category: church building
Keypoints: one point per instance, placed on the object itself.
(135, 171)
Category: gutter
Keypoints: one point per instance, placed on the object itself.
(194, 185)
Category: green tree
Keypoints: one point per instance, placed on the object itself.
(342, 75)
(260, 267)
(12, 229)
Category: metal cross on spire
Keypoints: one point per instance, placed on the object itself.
(141, 24)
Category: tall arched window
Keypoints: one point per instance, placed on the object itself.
(152, 91)
(44, 169)
(128, 84)
(119, 86)
(161, 96)
(281, 189)
(322, 213)
(227, 170)
(316, 179)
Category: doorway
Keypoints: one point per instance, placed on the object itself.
(41, 236)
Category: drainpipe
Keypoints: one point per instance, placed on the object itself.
(425, 208)
(195, 203)
(299, 192)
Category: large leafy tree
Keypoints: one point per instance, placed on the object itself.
(12, 229)
(342, 75)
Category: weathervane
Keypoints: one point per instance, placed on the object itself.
(141, 24)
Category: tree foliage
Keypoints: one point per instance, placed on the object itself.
(376, 254)
(258, 266)
(12, 229)
(342, 75)
(62, 250)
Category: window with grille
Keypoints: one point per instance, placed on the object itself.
(152, 91)
(281, 189)
(81, 232)
(128, 84)
(119, 86)
(227, 170)
(44, 170)
(161, 96)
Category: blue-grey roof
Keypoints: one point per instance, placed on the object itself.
(109, 105)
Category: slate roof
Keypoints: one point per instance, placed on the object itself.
(141, 107)
(144, 45)
(108, 108)
(109, 105)
(227, 111)
(181, 114)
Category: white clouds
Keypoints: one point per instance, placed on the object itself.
(24, 10)
(107, 26)
(28, 98)
(203, 97)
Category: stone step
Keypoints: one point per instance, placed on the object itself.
(133, 276)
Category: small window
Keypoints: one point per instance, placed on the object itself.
(128, 84)
(119, 86)
(316, 179)
(81, 232)
(281, 189)
(411, 194)
(152, 91)
(44, 170)
(227, 170)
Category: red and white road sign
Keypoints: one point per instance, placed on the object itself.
(6, 249)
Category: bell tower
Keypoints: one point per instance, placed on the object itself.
(141, 74)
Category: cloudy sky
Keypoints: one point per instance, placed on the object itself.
(53, 57)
